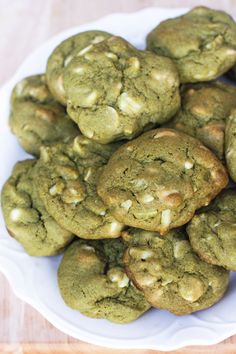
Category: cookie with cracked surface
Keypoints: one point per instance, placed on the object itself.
(212, 233)
(202, 43)
(92, 279)
(25, 216)
(62, 55)
(204, 110)
(115, 91)
(157, 181)
(68, 174)
(36, 118)
(170, 274)
(230, 144)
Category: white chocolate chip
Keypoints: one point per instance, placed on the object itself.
(115, 228)
(147, 280)
(68, 60)
(147, 198)
(146, 254)
(180, 248)
(117, 275)
(163, 76)
(166, 217)
(217, 223)
(79, 70)
(85, 50)
(230, 51)
(88, 174)
(89, 134)
(102, 213)
(53, 190)
(86, 97)
(210, 74)
(230, 152)
(128, 104)
(20, 87)
(97, 39)
(88, 248)
(188, 165)
(191, 288)
(44, 154)
(126, 204)
(134, 63)
(164, 133)
(111, 55)
(15, 214)
(60, 85)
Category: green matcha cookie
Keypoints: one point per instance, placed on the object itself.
(157, 181)
(36, 118)
(170, 274)
(202, 43)
(204, 110)
(67, 175)
(92, 279)
(62, 55)
(25, 216)
(115, 91)
(230, 144)
(212, 233)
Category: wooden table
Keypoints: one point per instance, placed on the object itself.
(24, 25)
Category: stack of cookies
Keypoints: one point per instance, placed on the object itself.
(132, 154)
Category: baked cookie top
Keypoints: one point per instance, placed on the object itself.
(202, 43)
(25, 216)
(170, 274)
(230, 144)
(62, 55)
(212, 233)
(157, 181)
(36, 118)
(115, 91)
(92, 279)
(67, 175)
(204, 110)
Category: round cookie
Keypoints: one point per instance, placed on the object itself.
(157, 181)
(68, 175)
(92, 279)
(202, 43)
(204, 110)
(212, 233)
(25, 216)
(62, 55)
(230, 144)
(115, 91)
(170, 274)
(36, 118)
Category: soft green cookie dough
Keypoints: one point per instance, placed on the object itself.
(203, 113)
(67, 175)
(212, 233)
(170, 274)
(92, 280)
(157, 181)
(25, 216)
(202, 43)
(115, 91)
(62, 55)
(230, 144)
(36, 118)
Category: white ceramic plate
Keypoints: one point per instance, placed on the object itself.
(34, 280)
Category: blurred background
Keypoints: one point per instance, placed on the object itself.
(25, 24)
